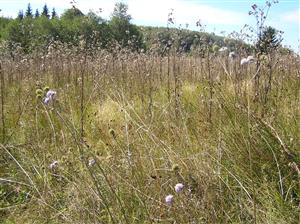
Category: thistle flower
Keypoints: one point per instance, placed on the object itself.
(53, 165)
(169, 199)
(244, 61)
(247, 60)
(46, 101)
(250, 59)
(179, 187)
(50, 96)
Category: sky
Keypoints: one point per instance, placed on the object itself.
(220, 17)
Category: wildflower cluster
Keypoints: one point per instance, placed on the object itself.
(169, 198)
(50, 97)
(46, 94)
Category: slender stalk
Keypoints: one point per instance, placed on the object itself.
(250, 159)
(82, 100)
(168, 75)
(2, 103)
(210, 87)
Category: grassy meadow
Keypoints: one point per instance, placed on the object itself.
(124, 128)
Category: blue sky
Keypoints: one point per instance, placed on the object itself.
(217, 15)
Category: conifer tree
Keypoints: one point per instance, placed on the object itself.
(37, 13)
(28, 12)
(20, 15)
(53, 14)
(45, 11)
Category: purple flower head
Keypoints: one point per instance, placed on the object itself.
(179, 187)
(51, 94)
(169, 199)
(46, 100)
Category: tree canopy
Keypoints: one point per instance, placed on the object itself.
(123, 32)
(72, 27)
(269, 40)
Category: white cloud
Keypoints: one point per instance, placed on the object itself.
(156, 11)
(153, 12)
(292, 16)
(106, 6)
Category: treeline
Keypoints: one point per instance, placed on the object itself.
(32, 31)
(186, 41)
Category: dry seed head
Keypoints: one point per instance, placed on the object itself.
(53, 165)
(92, 161)
(112, 133)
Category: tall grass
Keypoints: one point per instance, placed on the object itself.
(149, 122)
